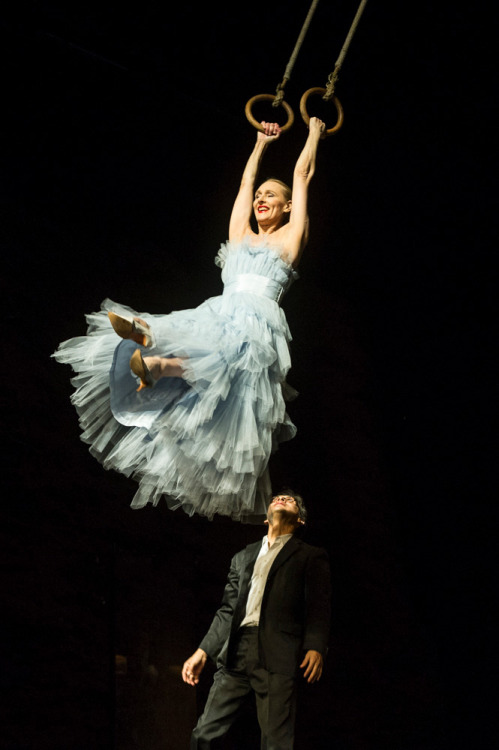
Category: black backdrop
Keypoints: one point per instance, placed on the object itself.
(123, 139)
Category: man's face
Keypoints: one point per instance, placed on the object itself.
(286, 507)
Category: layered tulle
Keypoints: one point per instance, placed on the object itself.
(202, 441)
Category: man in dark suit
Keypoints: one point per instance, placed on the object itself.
(273, 620)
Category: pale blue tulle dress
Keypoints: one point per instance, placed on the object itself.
(202, 441)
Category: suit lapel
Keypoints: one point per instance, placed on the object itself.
(289, 549)
(247, 565)
(251, 553)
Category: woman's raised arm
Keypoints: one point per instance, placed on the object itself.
(297, 234)
(243, 205)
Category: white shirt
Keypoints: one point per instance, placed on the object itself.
(263, 563)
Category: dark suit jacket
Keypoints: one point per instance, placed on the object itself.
(295, 607)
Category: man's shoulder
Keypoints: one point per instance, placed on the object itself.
(248, 551)
(308, 549)
(304, 547)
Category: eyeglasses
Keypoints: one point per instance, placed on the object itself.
(284, 499)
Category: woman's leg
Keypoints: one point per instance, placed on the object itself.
(165, 367)
(152, 369)
(134, 328)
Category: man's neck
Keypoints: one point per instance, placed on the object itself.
(279, 528)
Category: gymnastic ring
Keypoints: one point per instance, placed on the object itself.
(336, 102)
(268, 97)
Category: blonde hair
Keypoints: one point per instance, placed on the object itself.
(285, 188)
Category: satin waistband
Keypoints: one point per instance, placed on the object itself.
(253, 283)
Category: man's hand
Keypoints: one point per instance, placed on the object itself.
(312, 663)
(193, 667)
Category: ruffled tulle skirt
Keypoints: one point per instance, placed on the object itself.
(202, 441)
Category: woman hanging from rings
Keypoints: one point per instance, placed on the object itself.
(209, 410)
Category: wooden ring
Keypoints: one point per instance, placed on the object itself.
(336, 102)
(268, 97)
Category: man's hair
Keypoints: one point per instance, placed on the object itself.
(302, 511)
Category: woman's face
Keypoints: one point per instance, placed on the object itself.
(270, 204)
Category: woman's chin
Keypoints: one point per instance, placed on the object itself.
(265, 224)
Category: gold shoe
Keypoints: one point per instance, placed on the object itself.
(131, 328)
(139, 368)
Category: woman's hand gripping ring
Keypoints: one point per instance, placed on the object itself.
(336, 102)
(268, 97)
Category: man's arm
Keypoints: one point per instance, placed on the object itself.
(317, 617)
(313, 664)
(318, 596)
(194, 666)
(219, 630)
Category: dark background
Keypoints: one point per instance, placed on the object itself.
(123, 141)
